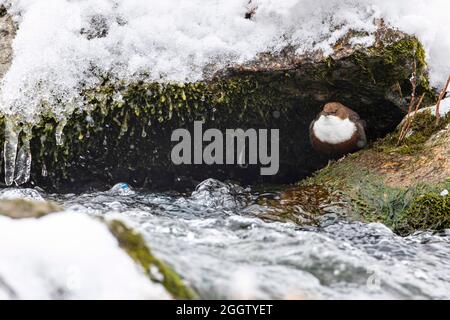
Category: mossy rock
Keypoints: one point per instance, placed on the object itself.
(422, 126)
(384, 183)
(157, 271)
(125, 132)
(22, 209)
(430, 211)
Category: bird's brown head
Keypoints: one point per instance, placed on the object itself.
(336, 109)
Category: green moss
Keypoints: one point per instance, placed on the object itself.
(423, 126)
(429, 211)
(3, 11)
(368, 198)
(383, 60)
(135, 246)
(336, 175)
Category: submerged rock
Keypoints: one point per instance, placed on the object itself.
(216, 195)
(303, 205)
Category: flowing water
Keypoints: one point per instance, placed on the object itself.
(219, 238)
(216, 240)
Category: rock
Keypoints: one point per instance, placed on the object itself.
(125, 134)
(7, 34)
(217, 195)
(429, 211)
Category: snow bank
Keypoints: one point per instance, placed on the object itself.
(62, 45)
(67, 256)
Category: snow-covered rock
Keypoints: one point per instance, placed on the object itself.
(62, 45)
(7, 32)
(68, 256)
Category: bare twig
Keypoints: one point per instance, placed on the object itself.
(413, 81)
(441, 96)
(419, 103)
(251, 10)
(409, 119)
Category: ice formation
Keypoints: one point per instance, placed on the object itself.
(46, 261)
(62, 46)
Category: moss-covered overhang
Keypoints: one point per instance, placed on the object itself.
(124, 132)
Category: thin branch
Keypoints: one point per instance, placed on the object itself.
(413, 81)
(419, 103)
(438, 104)
(409, 119)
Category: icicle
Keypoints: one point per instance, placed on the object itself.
(124, 126)
(44, 172)
(23, 160)
(10, 149)
(59, 134)
(144, 133)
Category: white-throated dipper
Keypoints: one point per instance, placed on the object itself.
(337, 130)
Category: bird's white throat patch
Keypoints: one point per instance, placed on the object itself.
(334, 130)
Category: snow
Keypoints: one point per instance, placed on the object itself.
(444, 107)
(334, 130)
(176, 40)
(68, 256)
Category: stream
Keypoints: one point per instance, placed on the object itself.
(216, 240)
